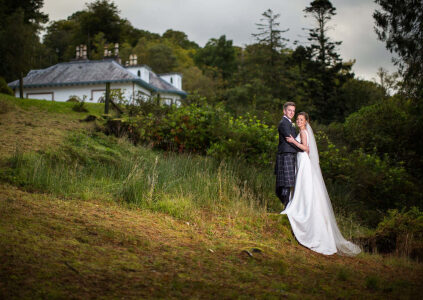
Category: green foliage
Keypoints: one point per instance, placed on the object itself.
(217, 56)
(402, 222)
(355, 94)
(179, 38)
(108, 168)
(201, 129)
(92, 21)
(401, 28)
(161, 59)
(80, 107)
(246, 138)
(19, 43)
(362, 183)
(390, 127)
(374, 184)
(4, 89)
(401, 232)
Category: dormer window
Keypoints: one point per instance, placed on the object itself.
(139, 73)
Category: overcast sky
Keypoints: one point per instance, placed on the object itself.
(203, 19)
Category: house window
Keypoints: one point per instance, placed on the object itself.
(171, 80)
(139, 73)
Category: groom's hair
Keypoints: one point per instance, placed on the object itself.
(288, 104)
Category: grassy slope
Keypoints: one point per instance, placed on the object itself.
(52, 246)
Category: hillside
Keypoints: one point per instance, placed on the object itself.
(84, 215)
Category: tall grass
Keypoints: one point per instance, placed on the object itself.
(92, 165)
(99, 166)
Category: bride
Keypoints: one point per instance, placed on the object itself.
(310, 211)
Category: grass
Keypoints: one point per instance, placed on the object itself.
(33, 125)
(70, 248)
(92, 216)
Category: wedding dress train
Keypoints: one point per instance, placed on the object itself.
(310, 211)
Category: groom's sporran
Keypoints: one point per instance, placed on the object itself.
(286, 155)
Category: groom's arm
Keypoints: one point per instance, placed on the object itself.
(285, 131)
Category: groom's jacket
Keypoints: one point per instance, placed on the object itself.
(286, 129)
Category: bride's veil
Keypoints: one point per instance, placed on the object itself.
(343, 246)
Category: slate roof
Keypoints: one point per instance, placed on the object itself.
(84, 72)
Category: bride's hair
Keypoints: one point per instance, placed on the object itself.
(303, 113)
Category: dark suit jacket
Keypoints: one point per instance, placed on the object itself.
(286, 129)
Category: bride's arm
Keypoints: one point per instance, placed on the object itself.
(303, 145)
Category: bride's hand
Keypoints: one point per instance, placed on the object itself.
(290, 139)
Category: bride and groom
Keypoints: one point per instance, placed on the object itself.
(300, 187)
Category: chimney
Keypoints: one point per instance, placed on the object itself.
(81, 52)
(133, 60)
(84, 52)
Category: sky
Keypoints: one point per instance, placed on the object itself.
(202, 20)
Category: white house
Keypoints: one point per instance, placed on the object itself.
(87, 79)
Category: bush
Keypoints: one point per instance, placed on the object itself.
(400, 232)
(374, 184)
(200, 129)
(80, 107)
(392, 128)
(246, 138)
(4, 88)
(361, 183)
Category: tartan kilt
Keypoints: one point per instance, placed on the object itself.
(285, 169)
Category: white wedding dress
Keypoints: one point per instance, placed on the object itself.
(310, 210)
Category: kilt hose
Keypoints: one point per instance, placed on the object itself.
(285, 169)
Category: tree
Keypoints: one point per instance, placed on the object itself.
(59, 38)
(20, 22)
(218, 55)
(388, 82)
(270, 35)
(273, 45)
(101, 16)
(179, 38)
(322, 48)
(400, 26)
(328, 72)
(161, 59)
(31, 10)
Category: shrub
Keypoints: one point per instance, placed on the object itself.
(80, 107)
(375, 184)
(402, 232)
(4, 88)
(200, 129)
(246, 138)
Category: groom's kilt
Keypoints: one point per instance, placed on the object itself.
(285, 169)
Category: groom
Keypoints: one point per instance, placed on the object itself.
(286, 156)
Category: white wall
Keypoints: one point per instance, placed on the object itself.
(174, 79)
(92, 93)
(142, 72)
(170, 99)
